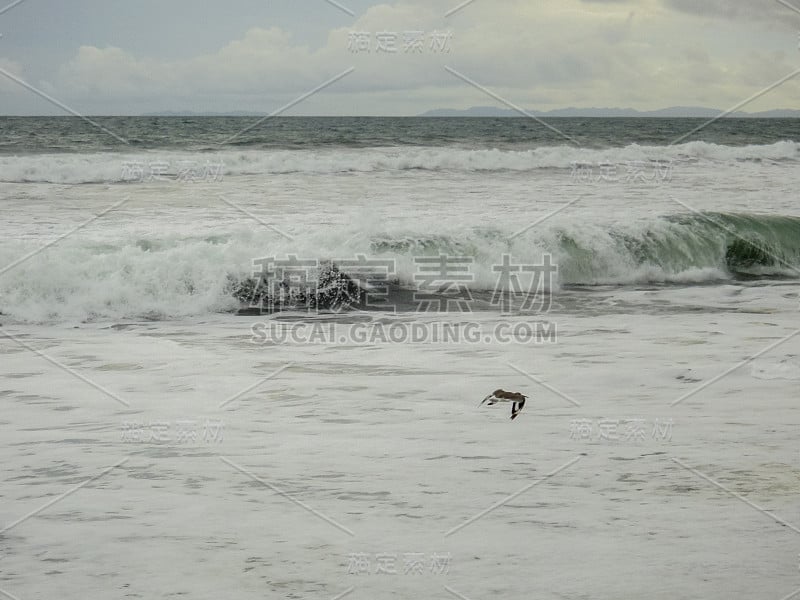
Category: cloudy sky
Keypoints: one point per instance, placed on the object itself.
(392, 58)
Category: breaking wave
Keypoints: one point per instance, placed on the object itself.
(162, 278)
(152, 166)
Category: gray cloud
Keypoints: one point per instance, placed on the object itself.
(255, 55)
(761, 10)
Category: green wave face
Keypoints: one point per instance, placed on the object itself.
(753, 244)
(703, 246)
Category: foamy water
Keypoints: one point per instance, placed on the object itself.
(169, 246)
(238, 466)
(129, 167)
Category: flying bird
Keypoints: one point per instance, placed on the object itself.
(517, 400)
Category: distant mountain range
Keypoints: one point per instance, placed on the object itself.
(674, 112)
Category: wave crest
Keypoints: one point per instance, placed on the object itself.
(179, 277)
(171, 166)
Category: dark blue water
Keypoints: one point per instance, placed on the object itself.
(34, 135)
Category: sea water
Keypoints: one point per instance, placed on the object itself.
(212, 450)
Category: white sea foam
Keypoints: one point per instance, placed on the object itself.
(147, 166)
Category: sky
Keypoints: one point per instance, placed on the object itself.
(404, 57)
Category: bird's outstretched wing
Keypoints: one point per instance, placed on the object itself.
(516, 408)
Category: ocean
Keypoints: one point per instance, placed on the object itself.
(254, 350)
